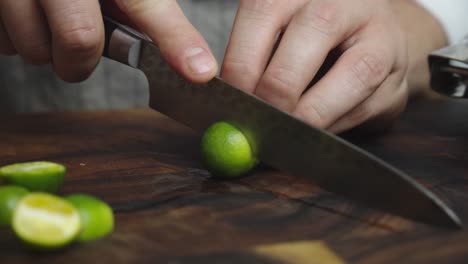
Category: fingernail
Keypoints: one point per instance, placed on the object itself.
(199, 61)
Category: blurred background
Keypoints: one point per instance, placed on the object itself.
(27, 88)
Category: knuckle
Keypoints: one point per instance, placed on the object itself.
(369, 70)
(378, 115)
(361, 114)
(33, 46)
(323, 17)
(312, 114)
(232, 69)
(142, 6)
(80, 39)
(261, 12)
(259, 5)
(280, 82)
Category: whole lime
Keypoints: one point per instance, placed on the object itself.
(97, 218)
(42, 176)
(226, 152)
(9, 197)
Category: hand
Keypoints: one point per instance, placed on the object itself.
(366, 83)
(69, 34)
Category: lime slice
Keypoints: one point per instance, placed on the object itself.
(42, 176)
(226, 152)
(45, 221)
(9, 197)
(97, 219)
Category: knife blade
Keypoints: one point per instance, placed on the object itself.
(277, 138)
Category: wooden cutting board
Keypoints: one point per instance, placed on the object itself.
(169, 210)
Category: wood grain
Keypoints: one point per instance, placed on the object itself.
(169, 210)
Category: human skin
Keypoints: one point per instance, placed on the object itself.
(378, 49)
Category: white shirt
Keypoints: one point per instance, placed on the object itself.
(452, 15)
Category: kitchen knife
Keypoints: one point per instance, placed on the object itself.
(277, 138)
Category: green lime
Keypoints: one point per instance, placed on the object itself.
(226, 151)
(36, 176)
(97, 218)
(9, 197)
(45, 221)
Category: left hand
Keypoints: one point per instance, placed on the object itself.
(366, 83)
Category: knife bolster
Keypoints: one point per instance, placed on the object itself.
(122, 44)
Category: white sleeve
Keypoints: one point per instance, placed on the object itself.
(452, 15)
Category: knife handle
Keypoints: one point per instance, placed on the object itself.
(122, 43)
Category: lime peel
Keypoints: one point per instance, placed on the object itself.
(43, 176)
(97, 218)
(10, 195)
(226, 152)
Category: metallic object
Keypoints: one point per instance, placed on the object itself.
(277, 138)
(449, 70)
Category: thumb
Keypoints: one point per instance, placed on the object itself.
(181, 45)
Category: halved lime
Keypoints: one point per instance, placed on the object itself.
(45, 221)
(226, 152)
(42, 176)
(97, 218)
(9, 197)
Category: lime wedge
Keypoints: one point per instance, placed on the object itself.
(9, 197)
(45, 221)
(97, 219)
(42, 176)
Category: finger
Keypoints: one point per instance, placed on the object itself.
(6, 48)
(255, 31)
(27, 29)
(317, 28)
(180, 43)
(111, 9)
(354, 77)
(379, 110)
(77, 36)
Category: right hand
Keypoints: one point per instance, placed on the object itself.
(69, 34)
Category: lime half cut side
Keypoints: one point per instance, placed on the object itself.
(43, 176)
(44, 221)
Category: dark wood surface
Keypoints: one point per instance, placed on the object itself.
(168, 209)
